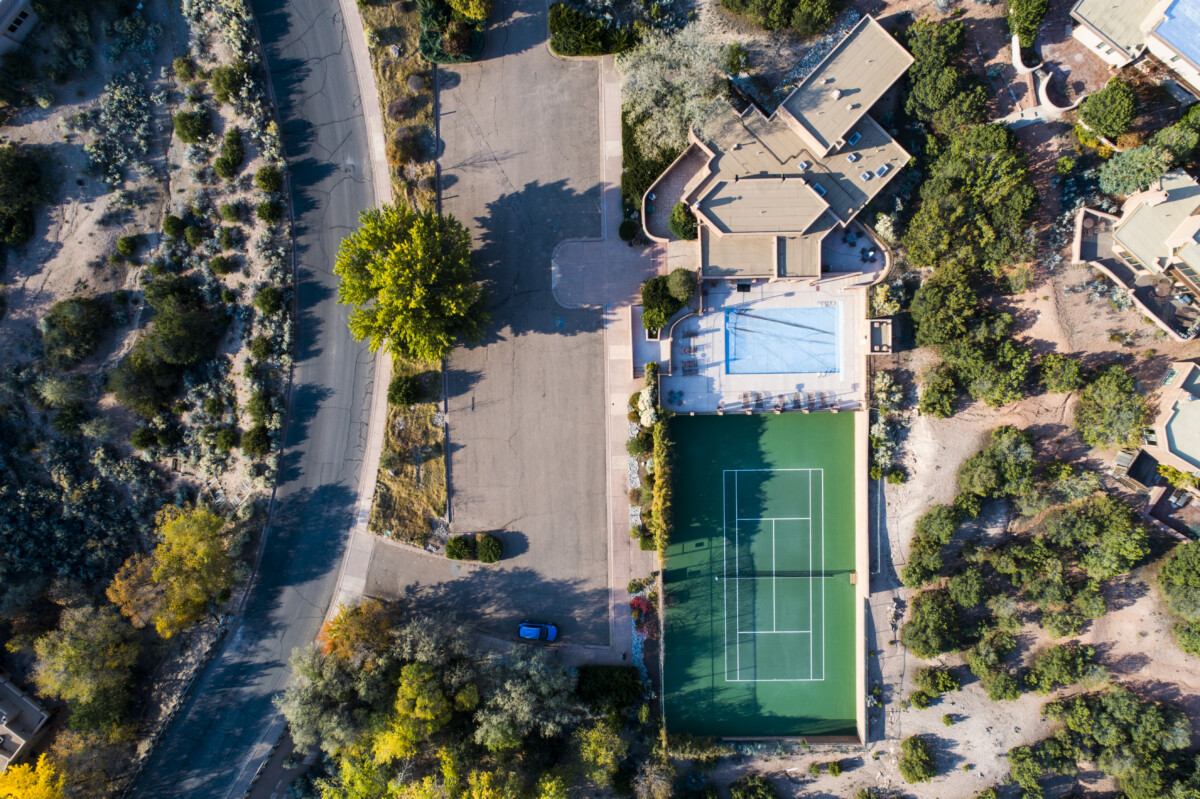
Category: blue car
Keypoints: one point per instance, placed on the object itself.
(532, 631)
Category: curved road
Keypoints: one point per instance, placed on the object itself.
(324, 136)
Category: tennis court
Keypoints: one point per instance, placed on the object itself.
(759, 629)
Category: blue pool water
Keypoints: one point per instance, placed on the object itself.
(782, 340)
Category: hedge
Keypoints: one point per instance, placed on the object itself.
(574, 32)
(435, 17)
(660, 519)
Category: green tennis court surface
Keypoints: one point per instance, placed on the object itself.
(759, 629)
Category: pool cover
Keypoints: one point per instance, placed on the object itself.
(782, 340)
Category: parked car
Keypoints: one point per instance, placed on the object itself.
(533, 631)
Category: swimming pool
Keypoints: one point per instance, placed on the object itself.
(783, 340)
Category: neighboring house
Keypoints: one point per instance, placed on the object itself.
(22, 721)
(1152, 250)
(1121, 31)
(1174, 440)
(16, 20)
(767, 190)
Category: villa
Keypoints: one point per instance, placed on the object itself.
(22, 723)
(1120, 33)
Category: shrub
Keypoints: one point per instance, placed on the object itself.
(127, 246)
(221, 265)
(807, 17)
(72, 330)
(574, 32)
(937, 393)
(228, 438)
(226, 80)
(627, 230)
(640, 445)
(173, 226)
(658, 304)
(753, 786)
(1064, 165)
(897, 477)
(403, 390)
(935, 682)
(461, 547)
(269, 211)
(1060, 666)
(269, 179)
(269, 300)
(185, 70)
(191, 126)
(225, 238)
(1109, 111)
(933, 627)
(257, 441)
(1059, 373)
(920, 700)
(259, 406)
(683, 222)
(490, 548)
(948, 720)
(233, 153)
(230, 212)
(681, 284)
(261, 348)
(966, 588)
(916, 760)
(1187, 635)
(1179, 581)
(1024, 19)
(1111, 412)
(835, 768)
(143, 438)
(193, 235)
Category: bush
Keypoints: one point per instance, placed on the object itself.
(127, 246)
(230, 212)
(269, 300)
(71, 330)
(257, 441)
(1060, 666)
(143, 438)
(173, 226)
(835, 768)
(193, 235)
(897, 477)
(221, 265)
(233, 153)
(475, 10)
(807, 17)
(966, 588)
(1109, 111)
(658, 304)
(1024, 19)
(639, 167)
(628, 230)
(403, 390)
(574, 32)
(461, 547)
(226, 80)
(269, 179)
(920, 700)
(1187, 635)
(489, 547)
(228, 438)
(752, 786)
(681, 284)
(916, 760)
(1060, 374)
(640, 445)
(1179, 581)
(933, 626)
(683, 222)
(191, 126)
(269, 211)
(937, 393)
(185, 70)
(259, 406)
(936, 682)
(261, 348)
(1111, 412)
(225, 238)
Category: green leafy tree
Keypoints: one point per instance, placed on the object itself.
(72, 329)
(421, 710)
(87, 662)
(21, 191)
(1024, 19)
(1187, 634)
(1109, 111)
(409, 277)
(941, 91)
(1003, 468)
(683, 222)
(269, 180)
(943, 308)
(1131, 170)
(937, 393)
(227, 80)
(191, 126)
(936, 682)
(1060, 373)
(332, 700)
(933, 626)
(600, 749)
(916, 760)
(528, 695)
(1179, 581)
(1111, 412)
(966, 588)
(1060, 666)
(658, 303)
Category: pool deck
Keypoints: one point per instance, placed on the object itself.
(693, 360)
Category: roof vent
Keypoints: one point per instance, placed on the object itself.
(850, 106)
(837, 94)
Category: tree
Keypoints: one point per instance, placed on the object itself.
(360, 634)
(191, 566)
(752, 786)
(227, 80)
(257, 441)
(191, 126)
(933, 626)
(87, 662)
(1059, 373)
(1109, 111)
(20, 192)
(966, 588)
(134, 591)
(269, 300)
(600, 749)
(807, 17)
(528, 695)
(331, 702)
(937, 393)
(1131, 170)
(683, 222)
(357, 777)
(71, 330)
(269, 180)
(1111, 412)
(409, 276)
(936, 682)
(1179, 140)
(403, 390)
(41, 780)
(940, 90)
(1061, 666)
(1024, 19)
(655, 780)
(421, 710)
(658, 303)
(477, 10)
(916, 760)
(943, 308)
(1179, 581)
(670, 85)
(1003, 468)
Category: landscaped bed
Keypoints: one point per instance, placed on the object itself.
(411, 492)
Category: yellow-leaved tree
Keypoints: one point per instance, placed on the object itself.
(477, 10)
(409, 276)
(38, 781)
(421, 710)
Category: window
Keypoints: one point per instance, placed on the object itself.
(865, 176)
(819, 189)
(853, 157)
(854, 137)
(883, 170)
(1175, 58)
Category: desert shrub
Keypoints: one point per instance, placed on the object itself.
(575, 32)
(143, 438)
(173, 226)
(752, 786)
(269, 211)
(222, 265)
(835, 768)
(269, 300)
(683, 222)
(403, 390)
(193, 235)
(1109, 111)
(225, 238)
(71, 330)
(185, 70)
(226, 80)
(920, 700)
(933, 626)
(127, 246)
(191, 126)
(1059, 373)
(261, 348)
(227, 438)
(937, 393)
(269, 179)
(916, 760)
(233, 153)
(461, 547)
(1111, 412)
(257, 441)
(489, 547)
(932, 532)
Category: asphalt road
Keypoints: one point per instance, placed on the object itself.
(324, 138)
(521, 168)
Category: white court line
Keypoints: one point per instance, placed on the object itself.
(725, 566)
(806, 469)
(737, 600)
(774, 612)
(776, 519)
(822, 569)
(810, 591)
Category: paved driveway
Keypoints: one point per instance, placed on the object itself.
(521, 168)
(230, 707)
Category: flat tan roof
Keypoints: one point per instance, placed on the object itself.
(762, 205)
(1145, 230)
(846, 84)
(1118, 22)
(853, 175)
(737, 256)
(800, 256)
